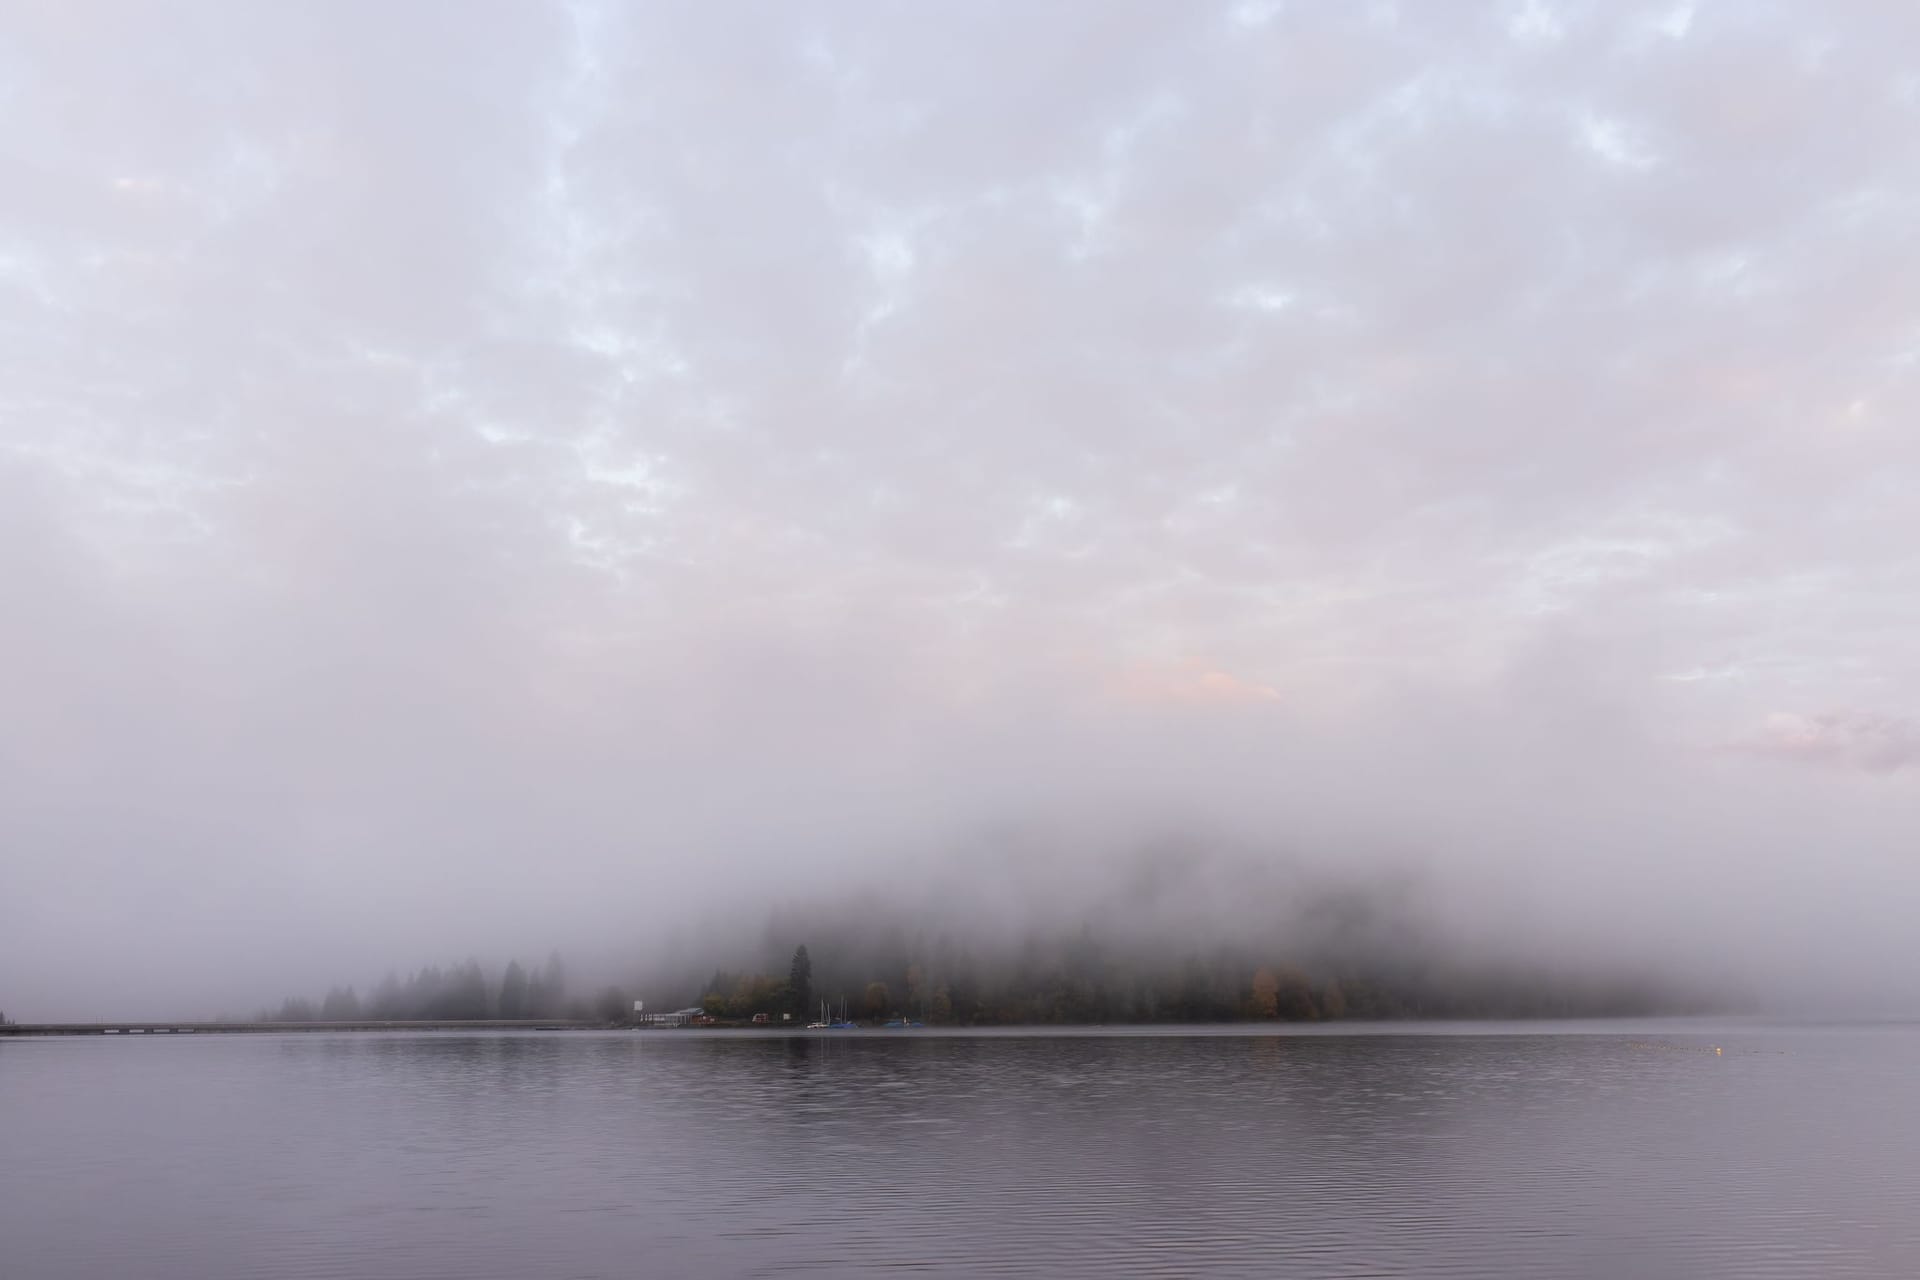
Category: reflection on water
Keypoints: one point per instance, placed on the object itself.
(1617, 1151)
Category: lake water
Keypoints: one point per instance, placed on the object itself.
(1535, 1151)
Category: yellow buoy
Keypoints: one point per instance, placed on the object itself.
(1716, 1051)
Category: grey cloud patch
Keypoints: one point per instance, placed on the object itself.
(1849, 740)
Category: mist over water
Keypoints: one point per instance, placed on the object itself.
(477, 481)
(1236, 637)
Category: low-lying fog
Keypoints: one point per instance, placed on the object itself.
(476, 481)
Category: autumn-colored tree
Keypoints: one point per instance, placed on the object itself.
(879, 1001)
(1266, 993)
(756, 993)
(1333, 1001)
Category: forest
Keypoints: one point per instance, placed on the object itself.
(460, 993)
(1078, 979)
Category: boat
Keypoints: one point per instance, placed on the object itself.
(828, 1022)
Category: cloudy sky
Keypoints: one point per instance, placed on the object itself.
(469, 471)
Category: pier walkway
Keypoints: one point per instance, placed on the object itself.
(230, 1028)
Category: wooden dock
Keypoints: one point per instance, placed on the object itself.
(258, 1028)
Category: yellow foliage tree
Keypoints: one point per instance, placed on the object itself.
(1266, 993)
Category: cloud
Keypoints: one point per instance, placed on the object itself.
(1189, 681)
(1838, 739)
(750, 451)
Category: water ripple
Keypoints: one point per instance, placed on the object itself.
(687, 1154)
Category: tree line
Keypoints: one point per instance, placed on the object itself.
(460, 993)
(1076, 979)
(1082, 981)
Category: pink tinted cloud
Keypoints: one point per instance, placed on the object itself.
(1856, 740)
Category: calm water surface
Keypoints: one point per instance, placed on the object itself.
(1595, 1150)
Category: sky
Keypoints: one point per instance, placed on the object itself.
(478, 477)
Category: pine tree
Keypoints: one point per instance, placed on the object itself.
(513, 992)
(800, 984)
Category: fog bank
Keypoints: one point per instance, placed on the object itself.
(476, 480)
